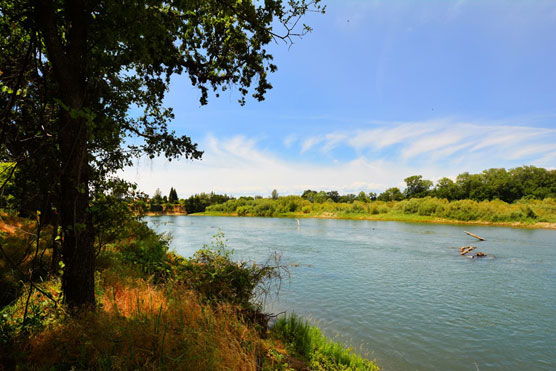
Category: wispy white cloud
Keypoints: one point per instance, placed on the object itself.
(333, 140)
(310, 142)
(386, 154)
(237, 166)
(449, 138)
(290, 140)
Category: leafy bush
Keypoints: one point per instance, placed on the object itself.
(148, 251)
(243, 210)
(214, 274)
(156, 208)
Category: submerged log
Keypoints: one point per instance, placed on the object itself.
(480, 255)
(465, 249)
(474, 235)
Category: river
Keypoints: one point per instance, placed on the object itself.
(399, 292)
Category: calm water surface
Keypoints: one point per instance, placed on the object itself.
(400, 292)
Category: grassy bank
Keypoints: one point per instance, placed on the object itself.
(155, 310)
(523, 213)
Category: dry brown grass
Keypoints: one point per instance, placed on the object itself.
(140, 326)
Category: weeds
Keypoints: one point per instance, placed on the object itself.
(322, 354)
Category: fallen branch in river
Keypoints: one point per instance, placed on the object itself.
(465, 249)
(474, 235)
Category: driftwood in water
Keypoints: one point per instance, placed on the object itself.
(479, 255)
(465, 249)
(474, 235)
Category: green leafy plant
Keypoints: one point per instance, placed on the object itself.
(214, 274)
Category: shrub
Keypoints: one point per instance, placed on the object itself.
(358, 207)
(147, 250)
(411, 206)
(264, 208)
(155, 208)
(214, 274)
(243, 210)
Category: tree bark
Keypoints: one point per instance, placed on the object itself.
(67, 57)
(78, 253)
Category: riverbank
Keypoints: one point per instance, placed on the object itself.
(521, 214)
(160, 213)
(154, 310)
(393, 218)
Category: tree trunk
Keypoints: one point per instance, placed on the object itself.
(68, 55)
(78, 253)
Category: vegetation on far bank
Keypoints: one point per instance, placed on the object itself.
(521, 196)
(155, 309)
(428, 209)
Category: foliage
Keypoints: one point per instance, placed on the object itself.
(110, 209)
(148, 251)
(199, 202)
(322, 354)
(7, 186)
(214, 274)
(417, 186)
(173, 196)
(391, 194)
(426, 208)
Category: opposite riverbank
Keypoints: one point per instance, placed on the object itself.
(389, 218)
(522, 214)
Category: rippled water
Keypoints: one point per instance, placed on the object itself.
(400, 292)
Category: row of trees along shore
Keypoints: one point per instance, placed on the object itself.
(197, 203)
(527, 182)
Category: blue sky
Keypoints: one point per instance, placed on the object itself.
(379, 91)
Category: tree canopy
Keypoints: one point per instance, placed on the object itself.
(73, 71)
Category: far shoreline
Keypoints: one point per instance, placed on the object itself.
(424, 220)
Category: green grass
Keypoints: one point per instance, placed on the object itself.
(308, 342)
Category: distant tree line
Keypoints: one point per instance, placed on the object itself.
(528, 182)
(194, 204)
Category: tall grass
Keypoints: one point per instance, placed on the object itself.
(141, 326)
(323, 354)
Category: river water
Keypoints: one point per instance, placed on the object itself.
(400, 293)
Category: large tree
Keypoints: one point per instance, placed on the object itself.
(73, 70)
(417, 187)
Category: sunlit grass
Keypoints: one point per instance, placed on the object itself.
(323, 354)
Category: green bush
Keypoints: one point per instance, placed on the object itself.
(148, 251)
(243, 210)
(214, 274)
(358, 207)
(264, 208)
